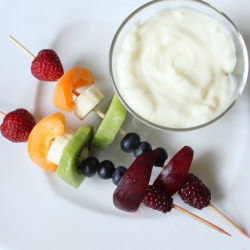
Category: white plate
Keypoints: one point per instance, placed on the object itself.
(39, 211)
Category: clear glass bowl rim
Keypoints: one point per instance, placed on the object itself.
(154, 125)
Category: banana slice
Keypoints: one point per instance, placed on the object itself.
(57, 146)
(87, 101)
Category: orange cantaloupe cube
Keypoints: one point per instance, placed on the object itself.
(41, 137)
(73, 79)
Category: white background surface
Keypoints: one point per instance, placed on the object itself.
(39, 211)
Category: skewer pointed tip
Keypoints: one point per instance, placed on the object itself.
(244, 233)
(207, 223)
(216, 210)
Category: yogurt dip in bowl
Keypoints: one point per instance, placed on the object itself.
(178, 64)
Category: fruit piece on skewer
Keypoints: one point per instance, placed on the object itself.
(133, 185)
(196, 194)
(73, 154)
(17, 125)
(110, 124)
(41, 137)
(72, 79)
(57, 146)
(175, 172)
(117, 175)
(162, 157)
(46, 66)
(106, 169)
(143, 148)
(89, 166)
(87, 101)
(130, 142)
(157, 199)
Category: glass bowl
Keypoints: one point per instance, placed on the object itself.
(145, 12)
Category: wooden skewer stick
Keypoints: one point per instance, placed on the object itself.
(2, 114)
(207, 223)
(217, 211)
(21, 47)
(102, 115)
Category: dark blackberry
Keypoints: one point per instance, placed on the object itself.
(194, 192)
(157, 199)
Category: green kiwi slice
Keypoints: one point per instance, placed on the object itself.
(73, 154)
(110, 124)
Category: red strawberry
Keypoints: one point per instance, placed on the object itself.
(17, 125)
(47, 66)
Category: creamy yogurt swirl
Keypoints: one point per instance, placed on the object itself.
(174, 69)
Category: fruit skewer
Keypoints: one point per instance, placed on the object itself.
(95, 109)
(192, 191)
(124, 133)
(10, 116)
(141, 171)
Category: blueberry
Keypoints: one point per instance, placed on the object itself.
(143, 148)
(161, 158)
(89, 166)
(130, 142)
(117, 175)
(106, 169)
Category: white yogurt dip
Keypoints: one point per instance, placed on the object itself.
(174, 70)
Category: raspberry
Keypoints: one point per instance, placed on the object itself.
(17, 125)
(47, 66)
(194, 192)
(157, 199)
